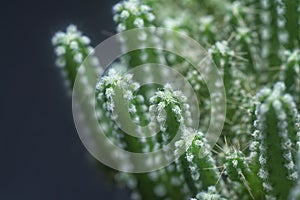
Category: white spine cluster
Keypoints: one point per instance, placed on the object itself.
(107, 88)
(71, 48)
(132, 14)
(70, 41)
(210, 194)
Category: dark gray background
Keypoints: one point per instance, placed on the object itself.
(42, 157)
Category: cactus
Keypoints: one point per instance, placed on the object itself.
(255, 45)
(276, 134)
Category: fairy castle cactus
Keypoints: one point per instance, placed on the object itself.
(255, 45)
(276, 112)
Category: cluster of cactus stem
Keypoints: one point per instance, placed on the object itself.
(256, 46)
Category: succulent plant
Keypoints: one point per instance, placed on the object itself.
(255, 46)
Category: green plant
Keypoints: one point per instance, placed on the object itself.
(255, 45)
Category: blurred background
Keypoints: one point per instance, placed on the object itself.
(42, 156)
